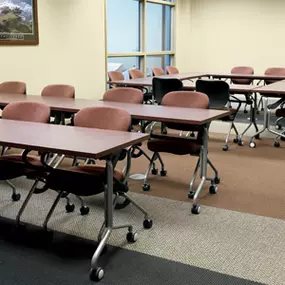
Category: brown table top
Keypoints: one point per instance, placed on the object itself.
(137, 111)
(246, 76)
(74, 141)
(147, 81)
(272, 89)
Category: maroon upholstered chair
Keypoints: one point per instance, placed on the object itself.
(124, 94)
(88, 180)
(157, 71)
(13, 166)
(242, 70)
(172, 70)
(13, 87)
(59, 90)
(177, 145)
(114, 76)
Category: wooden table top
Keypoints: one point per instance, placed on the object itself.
(74, 141)
(272, 89)
(247, 76)
(137, 111)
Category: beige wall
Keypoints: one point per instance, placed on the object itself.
(224, 33)
(71, 49)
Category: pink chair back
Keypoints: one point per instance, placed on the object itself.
(187, 99)
(274, 71)
(172, 70)
(136, 73)
(27, 111)
(107, 118)
(157, 71)
(242, 70)
(124, 94)
(115, 75)
(59, 90)
(13, 87)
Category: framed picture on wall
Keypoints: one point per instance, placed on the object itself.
(18, 22)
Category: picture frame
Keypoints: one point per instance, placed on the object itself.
(19, 22)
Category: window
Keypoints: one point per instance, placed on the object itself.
(139, 34)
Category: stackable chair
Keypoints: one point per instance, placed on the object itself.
(219, 95)
(89, 180)
(59, 90)
(137, 73)
(114, 76)
(157, 71)
(159, 143)
(172, 70)
(245, 70)
(13, 166)
(280, 114)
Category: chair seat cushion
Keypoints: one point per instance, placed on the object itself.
(85, 180)
(280, 112)
(176, 146)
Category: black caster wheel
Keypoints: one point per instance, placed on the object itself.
(146, 187)
(97, 274)
(262, 109)
(213, 189)
(282, 139)
(69, 208)
(277, 144)
(252, 144)
(132, 237)
(123, 204)
(245, 111)
(16, 197)
(278, 127)
(84, 210)
(154, 171)
(147, 224)
(196, 209)
(225, 148)
(164, 132)
(192, 135)
(235, 140)
(257, 112)
(163, 172)
(191, 194)
(257, 137)
(217, 180)
(240, 143)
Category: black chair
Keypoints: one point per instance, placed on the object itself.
(219, 95)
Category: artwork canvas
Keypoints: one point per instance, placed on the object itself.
(18, 22)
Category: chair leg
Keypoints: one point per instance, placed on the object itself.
(216, 179)
(163, 170)
(52, 210)
(15, 196)
(146, 186)
(194, 176)
(84, 210)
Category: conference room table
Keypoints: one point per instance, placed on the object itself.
(226, 75)
(74, 141)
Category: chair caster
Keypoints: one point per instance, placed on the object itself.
(192, 135)
(213, 189)
(191, 194)
(70, 208)
(277, 144)
(132, 237)
(163, 172)
(146, 187)
(240, 142)
(196, 209)
(235, 140)
(84, 210)
(217, 180)
(262, 109)
(122, 205)
(96, 274)
(245, 111)
(225, 148)
(147, 224)
(252, 144)
(257, 137)
(278, 127)
(164, 132)
(16, 197)
(154, 171)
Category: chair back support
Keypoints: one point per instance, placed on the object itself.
(115, 75)
(13, 87)
(274, 71)
(107, 118)
(59, 90)
(124, 94)
(157, 71)
(27, 111)
(172, 70)
(218, 92)
(242, 70)
(162, 86)
(136, 73)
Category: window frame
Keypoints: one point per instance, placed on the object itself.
(142, 55)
